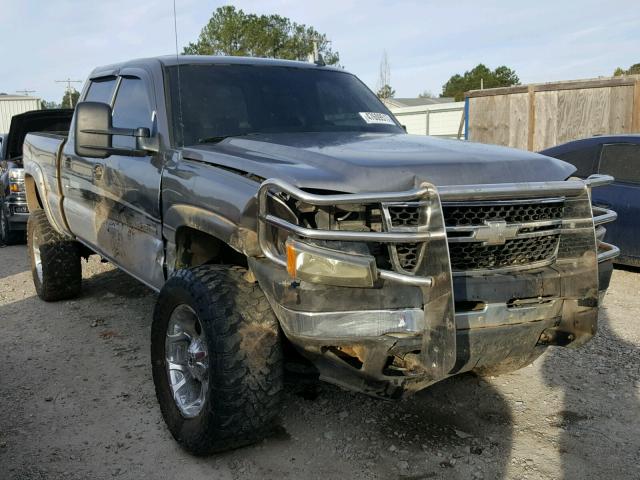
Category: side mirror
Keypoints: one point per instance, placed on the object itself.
(93, 117)
(94, 132)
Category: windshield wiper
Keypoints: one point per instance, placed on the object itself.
(219, 138)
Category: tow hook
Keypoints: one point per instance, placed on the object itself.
(555, 337)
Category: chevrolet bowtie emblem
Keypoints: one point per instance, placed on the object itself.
(496, 232)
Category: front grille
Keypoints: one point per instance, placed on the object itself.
(407, 216)
(475, 215)
(514, 253)
(538, 243)
(404, 216)
(408, 255)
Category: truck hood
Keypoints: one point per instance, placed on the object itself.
(361, 162)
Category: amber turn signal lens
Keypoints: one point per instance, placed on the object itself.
(291, 260)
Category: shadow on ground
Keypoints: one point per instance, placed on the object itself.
(14, 260)
(600, 406)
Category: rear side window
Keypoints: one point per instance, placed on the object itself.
(101, 90)
(622, 161)
(131, 110)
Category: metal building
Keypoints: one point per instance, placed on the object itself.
(436, 119)
(11, 105)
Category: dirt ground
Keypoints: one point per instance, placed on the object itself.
(77, 402)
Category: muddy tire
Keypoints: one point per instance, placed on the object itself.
(8, 236)
(55, 260)
(216, 359)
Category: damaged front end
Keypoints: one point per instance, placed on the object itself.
(391, 292)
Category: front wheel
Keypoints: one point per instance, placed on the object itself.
(216, 359)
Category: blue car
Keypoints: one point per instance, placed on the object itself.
(619, 156)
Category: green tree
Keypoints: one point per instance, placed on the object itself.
(480, 75)
(45, 105)
(234, 32)
(386, 92)
(632, 70)
(426, 94)
(70, 98)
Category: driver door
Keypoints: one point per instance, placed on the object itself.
(127, 211)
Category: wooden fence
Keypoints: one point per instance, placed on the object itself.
(538, 116)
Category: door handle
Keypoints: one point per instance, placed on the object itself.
(98, 171)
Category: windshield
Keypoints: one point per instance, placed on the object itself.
(227, 100)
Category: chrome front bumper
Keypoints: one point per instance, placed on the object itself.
(17, 212)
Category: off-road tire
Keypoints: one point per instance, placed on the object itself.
(60, 276)
(245, 359)
(7, 235)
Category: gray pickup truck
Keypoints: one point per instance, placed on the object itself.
(281, 212)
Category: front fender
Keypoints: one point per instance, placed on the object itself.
(179, 216)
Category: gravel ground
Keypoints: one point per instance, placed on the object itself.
(77, 402)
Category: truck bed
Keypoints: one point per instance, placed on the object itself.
(42, 153)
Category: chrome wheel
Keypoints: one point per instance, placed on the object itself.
(187, 361)
(37, 259)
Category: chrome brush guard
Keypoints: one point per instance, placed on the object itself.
(575, 258)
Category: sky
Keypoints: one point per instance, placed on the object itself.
(42, 41)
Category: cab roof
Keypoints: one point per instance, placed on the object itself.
(172, 60)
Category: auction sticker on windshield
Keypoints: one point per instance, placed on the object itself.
(375, 117)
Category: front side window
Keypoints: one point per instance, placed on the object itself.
(131, 110)
(209, 101)
(101, 90)
(622, 161)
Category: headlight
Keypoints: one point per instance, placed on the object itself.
(16, 180)
(329, 267)
(16, 175)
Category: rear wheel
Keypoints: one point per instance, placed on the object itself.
(216, 359)
(7, 235)
(55, 260)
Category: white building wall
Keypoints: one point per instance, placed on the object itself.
(440, 120)
(11, 105)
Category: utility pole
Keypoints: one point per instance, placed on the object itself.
(25, 92)
(69, 88)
